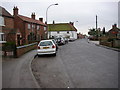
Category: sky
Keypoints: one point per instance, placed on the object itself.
(81, 12)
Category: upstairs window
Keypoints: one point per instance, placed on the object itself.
(2, 21)
(45, 28)
(33, 26)
(38, 27)
(29, 26)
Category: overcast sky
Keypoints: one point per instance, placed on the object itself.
(83, 11)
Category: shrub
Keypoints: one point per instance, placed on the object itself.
(9, 46)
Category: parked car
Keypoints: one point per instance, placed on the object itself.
(71, 39)
(46, 47)
(55, 43)
(60, 40)
(66, 40)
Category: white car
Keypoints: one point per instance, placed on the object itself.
(46, 47)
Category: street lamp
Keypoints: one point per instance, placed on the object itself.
(47, 16)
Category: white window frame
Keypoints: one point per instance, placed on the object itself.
(2, 21)
(2, 38)
(38, 27)
(45, 28)
(29, 26)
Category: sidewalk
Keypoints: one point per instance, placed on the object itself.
(97, 43)
(17, 72)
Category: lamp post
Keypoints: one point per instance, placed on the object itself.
(47, 17)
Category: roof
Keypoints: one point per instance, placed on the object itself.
(4, 12)
(61, 27)
(24, 18)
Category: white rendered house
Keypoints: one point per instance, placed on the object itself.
(62, 29)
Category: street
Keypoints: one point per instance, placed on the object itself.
(78, 64)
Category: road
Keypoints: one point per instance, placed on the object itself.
(16, 72)
(78, 64)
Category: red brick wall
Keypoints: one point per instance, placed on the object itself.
(21, 51)
(9, 22)
(19, 24)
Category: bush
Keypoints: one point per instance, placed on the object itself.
(110, 40)
(9, 46)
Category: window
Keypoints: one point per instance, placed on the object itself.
(67, 32)
(33, 26)
(2, 21)
(38, 27)
(2, 37)
(58, 32)
(45, 28)
(29, 26)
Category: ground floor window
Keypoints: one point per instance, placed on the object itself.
(2, 37)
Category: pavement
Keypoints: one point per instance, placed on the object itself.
(17, 72)
(97, 43)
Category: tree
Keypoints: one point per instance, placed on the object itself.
(92, 32)
(103, 31)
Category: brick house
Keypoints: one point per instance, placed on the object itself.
(31, 29)
(7, 31)
(114, 32)
(62, 29)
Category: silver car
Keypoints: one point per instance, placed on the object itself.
(46, 47)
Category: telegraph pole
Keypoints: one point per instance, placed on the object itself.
(96, 22)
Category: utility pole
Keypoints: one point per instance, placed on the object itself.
(96, 27)
(96, 22)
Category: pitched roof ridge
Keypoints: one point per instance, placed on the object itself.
(25, 18)
(5, 12)
(72, 27)
(58, 23)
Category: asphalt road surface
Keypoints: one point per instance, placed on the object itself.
(78, 64)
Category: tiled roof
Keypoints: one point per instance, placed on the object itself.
(4, 12)
(61, 27)
(24, 18)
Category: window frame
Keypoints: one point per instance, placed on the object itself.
(2, 21)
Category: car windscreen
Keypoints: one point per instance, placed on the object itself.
(46, 43)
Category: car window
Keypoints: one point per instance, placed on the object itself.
(46, 43)
(54, 41)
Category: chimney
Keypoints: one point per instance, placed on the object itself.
(72, 23)
(15, 11)
(41, 19)
(33, 16)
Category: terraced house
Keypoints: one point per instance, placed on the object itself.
(62, 29)
(31, 29)
(7, 31)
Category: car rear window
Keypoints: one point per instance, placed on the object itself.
(46, 43)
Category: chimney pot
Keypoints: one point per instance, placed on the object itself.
(15, 11)
(33, 16)
(41, 19)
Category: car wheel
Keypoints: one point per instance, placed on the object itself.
(54, 54)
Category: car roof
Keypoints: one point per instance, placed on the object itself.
(47, 40)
